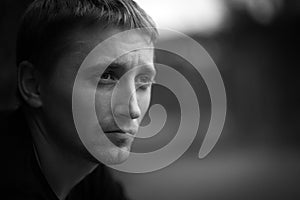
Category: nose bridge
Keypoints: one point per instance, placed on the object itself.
(134, 109)
(126, 102)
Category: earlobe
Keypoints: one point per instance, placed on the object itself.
(29, 84)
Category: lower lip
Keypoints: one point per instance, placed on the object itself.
(120, 139)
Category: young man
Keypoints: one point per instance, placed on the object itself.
(44, 156)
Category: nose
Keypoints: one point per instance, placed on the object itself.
(134, 108)
(127, 103)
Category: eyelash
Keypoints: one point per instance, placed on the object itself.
(146, 84)
(111, 74)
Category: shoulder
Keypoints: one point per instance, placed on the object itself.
(18, 176)
(100, 184)
(15, 136)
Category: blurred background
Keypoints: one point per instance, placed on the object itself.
(255, 44)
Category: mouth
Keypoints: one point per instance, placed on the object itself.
(129, 132)
(120, 138)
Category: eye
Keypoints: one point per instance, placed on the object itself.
(108, 77)
(144, 82)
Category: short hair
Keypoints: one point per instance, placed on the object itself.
(46, 22)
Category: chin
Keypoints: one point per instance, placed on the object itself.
(112, 155)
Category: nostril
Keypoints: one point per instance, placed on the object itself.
(134, 109)
(126, 105)
(134, 115)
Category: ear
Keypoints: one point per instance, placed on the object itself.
(29, 84)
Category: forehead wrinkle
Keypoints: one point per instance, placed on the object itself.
(141, 55)
(135, 58)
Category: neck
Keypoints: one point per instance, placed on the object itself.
(61, 169)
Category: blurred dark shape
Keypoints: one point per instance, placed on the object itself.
(264, 60)
(262, 12)
(10, 14)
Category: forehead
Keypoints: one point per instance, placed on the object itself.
(127, 48)
(83, 42)
(113, 44)
(111, 40)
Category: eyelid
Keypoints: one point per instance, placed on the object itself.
(103, 81)
(149, 78)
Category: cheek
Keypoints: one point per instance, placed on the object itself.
(103, 106)
(57, 99)
(57, 114)
(57, 91)
(144, 102)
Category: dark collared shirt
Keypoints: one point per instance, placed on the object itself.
(22, 178)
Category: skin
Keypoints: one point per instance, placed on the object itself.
(129, 77)
(62, 156)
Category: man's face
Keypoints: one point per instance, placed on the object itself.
(119, 109)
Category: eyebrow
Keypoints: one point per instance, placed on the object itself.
(149, 69)
(121, 67)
